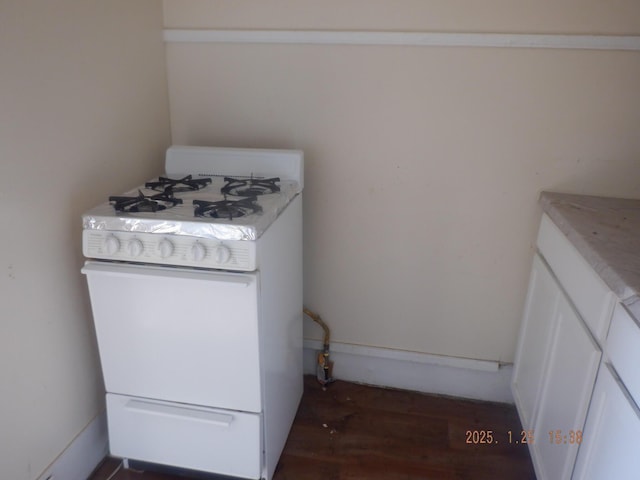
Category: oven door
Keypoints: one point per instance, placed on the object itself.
(179, 335)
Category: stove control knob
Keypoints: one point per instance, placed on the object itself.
(135, 247)
(111, 244)
(223, 254)
(198, 252)
(165, 248)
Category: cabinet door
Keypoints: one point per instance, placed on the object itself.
(609, 446)
(534, 343)
(566, 390)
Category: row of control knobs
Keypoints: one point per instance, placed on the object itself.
(165, 248)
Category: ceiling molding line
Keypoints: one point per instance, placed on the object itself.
(328, 37)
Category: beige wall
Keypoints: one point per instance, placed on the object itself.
(83, 113)
(423, 164)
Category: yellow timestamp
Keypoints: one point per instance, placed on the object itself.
(568, 437)
(491, 437)
(521, 437)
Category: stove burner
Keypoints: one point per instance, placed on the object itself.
(227, 208)
(145, 203)
(250, 187)
(184, 184)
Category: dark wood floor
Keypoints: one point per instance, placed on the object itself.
(354, 432)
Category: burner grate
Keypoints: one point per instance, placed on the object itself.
(228, 209)
(145, 203)
(250, 187)
(185, 184)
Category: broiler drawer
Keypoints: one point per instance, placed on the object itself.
(198, 438)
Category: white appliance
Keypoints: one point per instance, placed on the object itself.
(195, 281)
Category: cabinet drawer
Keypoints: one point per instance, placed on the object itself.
(198, 438)
(623, 346)
(586, 290)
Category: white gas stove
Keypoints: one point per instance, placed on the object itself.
(195, 281)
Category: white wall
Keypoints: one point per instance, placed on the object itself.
(424, 164)
(83, 113)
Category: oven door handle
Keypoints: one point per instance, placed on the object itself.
(151, 408)
(139, 271)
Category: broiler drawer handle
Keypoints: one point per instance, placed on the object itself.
(220, 419)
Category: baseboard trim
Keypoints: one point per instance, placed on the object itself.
(443, 375)
(459, 377)
(83, 454)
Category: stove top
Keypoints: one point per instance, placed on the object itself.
(216, 206)
(208, 210)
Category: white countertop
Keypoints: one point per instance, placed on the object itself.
(606, 232)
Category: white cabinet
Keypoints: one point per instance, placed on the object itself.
(623, 349)
(611, 437)
(590, 296)
(574, 329)
(554, 373)
(609, 448)
(535, 335)
(566, 391)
